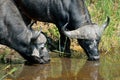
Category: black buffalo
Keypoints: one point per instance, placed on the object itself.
(16, 35)
(72, 14)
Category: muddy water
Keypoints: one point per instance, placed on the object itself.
(108, 68)
(67, 69)
(61, 69)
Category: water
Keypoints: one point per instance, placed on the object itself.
(108, 68)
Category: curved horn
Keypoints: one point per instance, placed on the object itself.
(105, 24)
(31, 24)
(36, 34)
(83, 32)
(87, 31)
(70, 34)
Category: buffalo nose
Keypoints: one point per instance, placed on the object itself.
(94, 58)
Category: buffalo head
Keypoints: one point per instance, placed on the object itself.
(35, 50)
(16, 35)
(88, 37)
(39, 53)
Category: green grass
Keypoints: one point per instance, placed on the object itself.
(110, 63)
(99, 10)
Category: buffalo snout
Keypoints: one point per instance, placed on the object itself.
(91, 48)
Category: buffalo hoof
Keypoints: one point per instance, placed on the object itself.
(93, 58)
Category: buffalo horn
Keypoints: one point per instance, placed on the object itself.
(91, 31)
(105, 24)
(36, 34)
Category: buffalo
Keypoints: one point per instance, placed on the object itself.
(71, 15)
(15, 34)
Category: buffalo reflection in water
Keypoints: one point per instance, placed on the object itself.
(62, 69)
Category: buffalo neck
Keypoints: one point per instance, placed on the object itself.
(79, 14)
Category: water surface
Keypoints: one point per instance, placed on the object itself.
(108, 68)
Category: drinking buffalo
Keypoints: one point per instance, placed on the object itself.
(16, 35)
(71, 12)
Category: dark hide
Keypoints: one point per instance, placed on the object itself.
(59, 12)
(15, 34)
